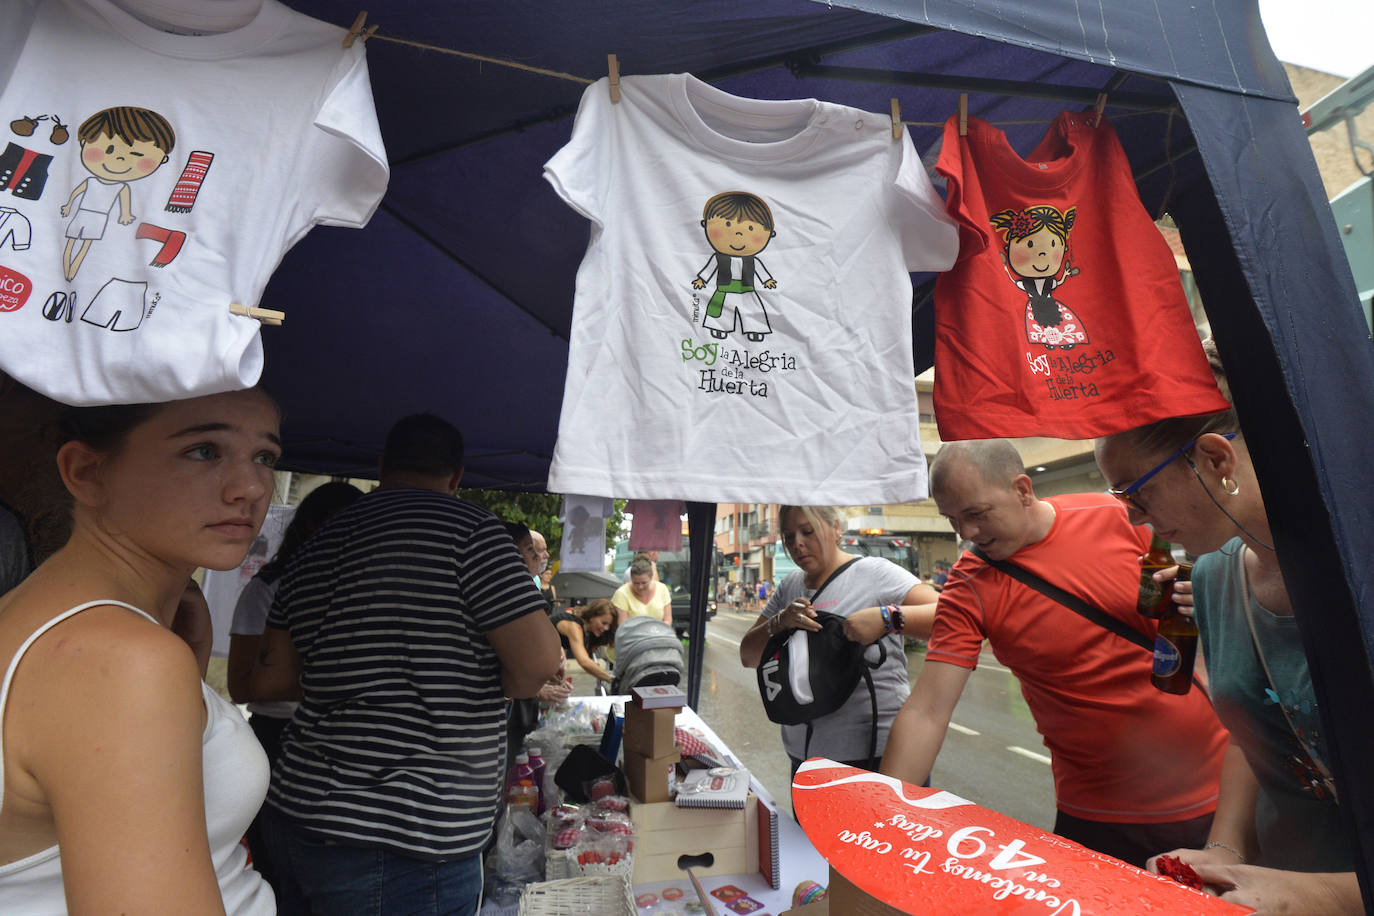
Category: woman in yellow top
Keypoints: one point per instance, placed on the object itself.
(643, 595)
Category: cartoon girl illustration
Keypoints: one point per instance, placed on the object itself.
(738, 226)
(1036, 257)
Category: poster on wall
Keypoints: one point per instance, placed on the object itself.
(222, 587)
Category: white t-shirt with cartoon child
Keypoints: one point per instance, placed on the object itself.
(164, 176)
(749, 270)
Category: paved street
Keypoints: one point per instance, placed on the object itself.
(992, 755)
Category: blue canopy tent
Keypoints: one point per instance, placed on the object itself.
(458, 296)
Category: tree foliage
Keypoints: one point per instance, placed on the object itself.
(539, 512)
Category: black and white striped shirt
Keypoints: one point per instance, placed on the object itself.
(399, 738)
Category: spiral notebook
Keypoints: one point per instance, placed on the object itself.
(768, 844)
(717, 787)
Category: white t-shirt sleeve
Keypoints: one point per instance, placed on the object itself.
(579, 171)
(344, 164)
(891, 582)
(930, 238)
(250, 613)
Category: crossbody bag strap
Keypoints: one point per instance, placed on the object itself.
(806, 747)
(1268, 676)
(1072, 602)
(831, 578)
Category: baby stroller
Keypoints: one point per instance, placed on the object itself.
(647, 654)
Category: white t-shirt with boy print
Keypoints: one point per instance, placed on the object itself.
(690, 317)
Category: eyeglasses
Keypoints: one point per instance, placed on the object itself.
(1130, 494)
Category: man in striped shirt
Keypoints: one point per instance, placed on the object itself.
(402, 627)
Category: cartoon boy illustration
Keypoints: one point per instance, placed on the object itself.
(118, 146)
(738, 226)
(1036, 257)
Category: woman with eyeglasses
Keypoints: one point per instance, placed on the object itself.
(1276, 843)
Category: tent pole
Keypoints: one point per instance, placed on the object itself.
(701, 525)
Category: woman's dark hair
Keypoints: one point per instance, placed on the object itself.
(103, 428)
(598, 608)
(1164, 436)
(589, 612)
(318, 507)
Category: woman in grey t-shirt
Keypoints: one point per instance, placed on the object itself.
(811, 535)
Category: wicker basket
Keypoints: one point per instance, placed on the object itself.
(606, 895)
(562, 863)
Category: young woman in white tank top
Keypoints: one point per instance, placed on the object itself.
(127, 783)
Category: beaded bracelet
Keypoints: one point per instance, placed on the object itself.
(898, 619)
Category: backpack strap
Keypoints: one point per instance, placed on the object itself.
(1072, 602)
(1078, 605)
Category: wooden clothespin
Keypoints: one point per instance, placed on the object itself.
(356, 32)
(1097, 108)
(963, 114)
(896, 120)
(613, 66)
(266, 316)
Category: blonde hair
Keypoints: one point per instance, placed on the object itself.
(818, 516)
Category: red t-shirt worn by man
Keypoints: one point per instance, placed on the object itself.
(1122, 751)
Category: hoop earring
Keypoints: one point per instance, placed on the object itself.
(1230, 486)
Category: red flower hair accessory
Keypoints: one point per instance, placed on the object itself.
(1022, 225)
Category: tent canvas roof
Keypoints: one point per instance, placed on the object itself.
(428, 308)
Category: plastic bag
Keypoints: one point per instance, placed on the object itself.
(517, 858)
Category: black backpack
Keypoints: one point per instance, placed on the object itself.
(804, 675)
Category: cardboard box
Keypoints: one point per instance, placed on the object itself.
(663, 832)
(843, 897)
(650, 779)
(814, 908)
(656, 696)
(649, 731)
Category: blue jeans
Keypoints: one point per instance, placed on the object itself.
(323, 878)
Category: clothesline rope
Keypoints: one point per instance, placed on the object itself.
(516, 65)
(574, 78)
(1116, 117)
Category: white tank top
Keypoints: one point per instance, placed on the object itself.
(235, 777)
(100, 196)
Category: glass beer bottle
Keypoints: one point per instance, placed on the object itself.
(1153, 600)
(1175, 646)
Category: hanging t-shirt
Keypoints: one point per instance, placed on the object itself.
(583, 548)
(155, 197)
(656, 524)
(1064, 315)
(742, 321)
